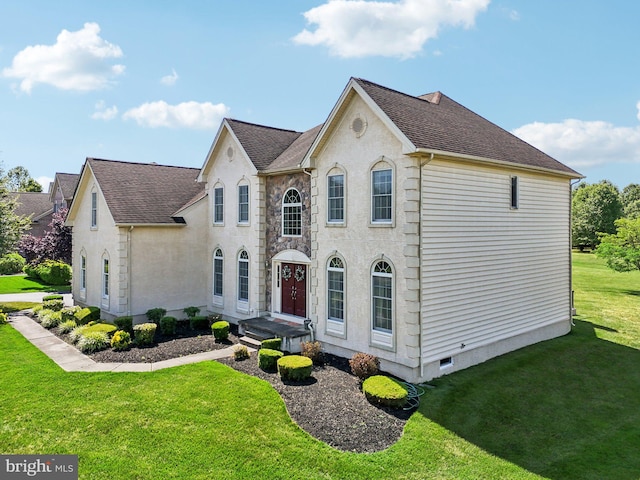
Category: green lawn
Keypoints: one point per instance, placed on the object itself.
(23, 284)
(562, 409)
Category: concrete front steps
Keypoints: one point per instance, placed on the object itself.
(254, 330)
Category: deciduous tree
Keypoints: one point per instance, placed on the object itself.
(622, 249)
(594, 210)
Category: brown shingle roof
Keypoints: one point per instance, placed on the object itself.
(294, 154)
(35, 204)
(145, 193)
(262, 144)
(68, 183)
(436, 122)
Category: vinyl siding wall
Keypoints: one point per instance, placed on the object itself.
(490, 272)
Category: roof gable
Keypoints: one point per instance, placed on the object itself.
(32, 204)
(145, 193)
(434, 123)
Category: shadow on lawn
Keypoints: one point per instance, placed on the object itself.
(564, 409)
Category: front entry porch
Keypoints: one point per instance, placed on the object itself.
(261, 328)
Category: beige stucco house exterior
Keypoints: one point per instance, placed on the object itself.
(406, 227)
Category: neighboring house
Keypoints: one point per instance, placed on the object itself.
(130, 250)
(406, 227)
(37, 207)
(62, 190)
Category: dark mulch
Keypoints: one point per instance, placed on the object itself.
(330, 406)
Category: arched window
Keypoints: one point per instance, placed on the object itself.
(243, 276)
(94, 209)
(218, 275)
(335, 290)
(382, 297)
(291, 213)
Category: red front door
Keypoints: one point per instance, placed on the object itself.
(293, 278)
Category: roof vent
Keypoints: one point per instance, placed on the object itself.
(358, 125)
(230, 153)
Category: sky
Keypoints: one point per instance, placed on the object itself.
(150, 81)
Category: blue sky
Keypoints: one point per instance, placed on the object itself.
(149, 81)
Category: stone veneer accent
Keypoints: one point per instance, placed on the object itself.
(276, 186)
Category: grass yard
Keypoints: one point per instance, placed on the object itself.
(22, 284)
(562, 409)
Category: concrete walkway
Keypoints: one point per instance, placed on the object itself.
(71, 360)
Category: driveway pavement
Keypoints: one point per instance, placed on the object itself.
(33, 297)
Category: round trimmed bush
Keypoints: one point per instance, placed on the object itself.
(220, 330)
(272, 343)
(295, 367)
(240, 352)
(11, 263)
(168, 325)
(385, 391)
(144, 333)
(121, 340)
(268, 359)
(124, 323)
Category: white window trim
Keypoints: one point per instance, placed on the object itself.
(382, 165)
(94, 210)
(337, 223)
(83, 274)
(215, 221)
(217, 299)
(242, 305)
(240, 221)
(337, 327)
(291, 205)
(106, 280)
(382, 338)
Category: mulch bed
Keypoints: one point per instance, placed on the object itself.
(330, 406)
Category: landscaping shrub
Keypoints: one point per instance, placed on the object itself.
(87, 315)
(124, 323)
(31, 270)
(295, 367)
(272, 343)
(76, 333)
(121, 340)
(313, 350)
(107, 328)
(54, 272)
(69, 313)
(240, 352)
(364, 365)
(220, 330)
(52, 296)
(66, 326)
(155, 314)
(268, 358)
(51, 318)
(385, 391)
(3, 321)
(168, 325)
(191, 311)
(35, 310)
(90, 342)
(11, 263)
(55, 304)
(199, 322)
(42, 312)
(144, 333)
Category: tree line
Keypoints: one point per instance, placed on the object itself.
(607, 221)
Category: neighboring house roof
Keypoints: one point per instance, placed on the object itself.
(68, 183)
(434, 123)
(145, 193)
(34, 204)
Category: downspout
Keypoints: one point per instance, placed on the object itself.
(420, 206)
(129, 274)
(571, 184)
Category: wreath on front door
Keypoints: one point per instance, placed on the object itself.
(299, 274)
(286, 272)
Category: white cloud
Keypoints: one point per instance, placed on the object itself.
(77, 61)
(359, 28)
(580, 143)
(170, 80)
(514, 15)
(103, 112)
(44, 182)
(187, 114)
